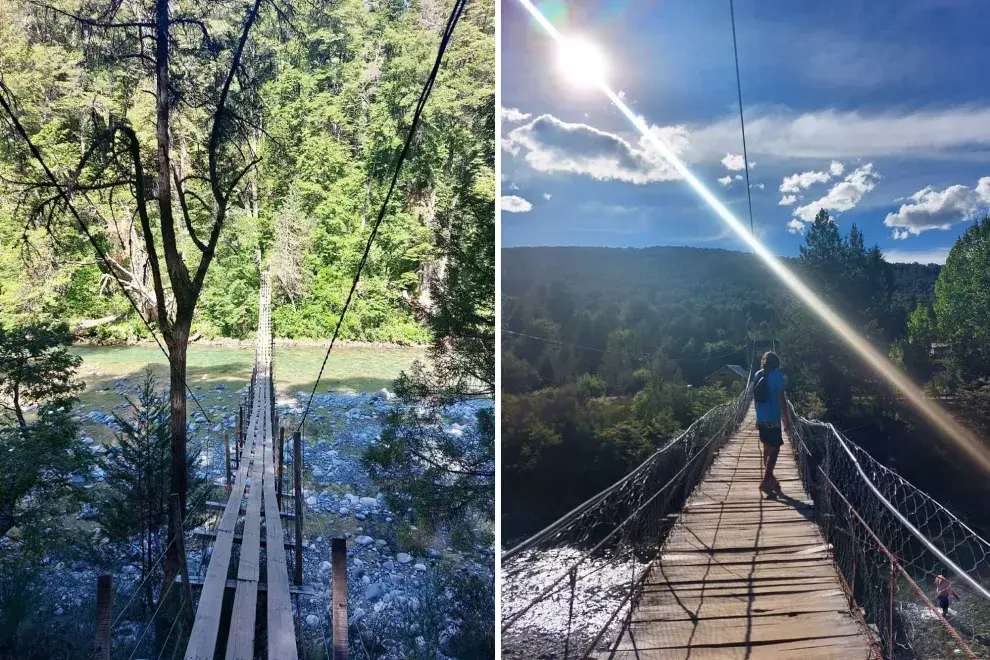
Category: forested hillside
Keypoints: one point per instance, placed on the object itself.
(319, 108)
(605, 351)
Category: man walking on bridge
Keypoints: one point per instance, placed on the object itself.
(943, 590)
(771, 407)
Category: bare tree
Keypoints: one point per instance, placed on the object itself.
(193, 61)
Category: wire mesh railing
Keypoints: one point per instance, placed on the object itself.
(567, 589)
(889, 540)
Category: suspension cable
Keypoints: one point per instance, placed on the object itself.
(742, 124)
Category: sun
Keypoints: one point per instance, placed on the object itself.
(582, 62)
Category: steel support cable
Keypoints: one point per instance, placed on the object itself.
(549, 589)
(895, 561)
(742, 124)
(424, 96)
(595, 499)
(893, 510)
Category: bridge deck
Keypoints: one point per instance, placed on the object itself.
(256, 478)
(742, 576)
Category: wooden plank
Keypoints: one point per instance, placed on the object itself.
(742, 576)
(281, 631)
(203, 638)
(305, 590)
(240, 643)
(238, 538)
(242, 510)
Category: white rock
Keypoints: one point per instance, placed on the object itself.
(325, 566)
(311, 500)
(420, 642)
(382, 395)
(358, 563)
(317, 472)
(370, 502)
(364, 540)
(312, 620)
(403, 558)
(420, 567)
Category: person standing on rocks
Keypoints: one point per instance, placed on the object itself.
(771, 406)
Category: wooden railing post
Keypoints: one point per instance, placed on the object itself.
(240, 433)
(104, 615)
(281, 464)
(180, 545)
(338, 611)
(226, 448)
(297, 473)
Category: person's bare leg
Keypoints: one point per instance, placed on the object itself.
(771, 462)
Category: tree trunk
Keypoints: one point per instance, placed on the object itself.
(178, 348)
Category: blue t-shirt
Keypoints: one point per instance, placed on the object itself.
(769, 410)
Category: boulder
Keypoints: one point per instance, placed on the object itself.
(374, 592)
(364, 540)
(403, 558)
(312, 620)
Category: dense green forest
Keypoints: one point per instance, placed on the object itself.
(320, 106)
(606, 353)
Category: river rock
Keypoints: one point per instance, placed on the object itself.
(374, 592)
(403, 558)
(312, 620)
(420, 567)
(325, 566)
(369, 502)
(364, 540)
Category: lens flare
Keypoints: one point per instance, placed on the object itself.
(582, 62)
(930, 410)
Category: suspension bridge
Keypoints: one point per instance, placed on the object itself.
(685, 558)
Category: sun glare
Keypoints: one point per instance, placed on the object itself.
(582, 63)
(941, 420)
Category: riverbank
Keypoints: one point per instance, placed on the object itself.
(250, 343)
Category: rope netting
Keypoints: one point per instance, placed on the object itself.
(889, 541)
(567, 589)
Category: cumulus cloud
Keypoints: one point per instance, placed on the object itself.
(787, 200)
(551, 145)
(795, 227)
(725, 180)
(836, 168)
(842, 196)
(758, 185)
(514, 204)
(735, 162)
(547, 196)
(938, 209)
(514, 115)
(933, 256)
(842, 135)
(900, 234)
(803, 181)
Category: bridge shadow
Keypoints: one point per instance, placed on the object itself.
(806, 510)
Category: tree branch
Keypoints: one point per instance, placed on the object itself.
(180, 193)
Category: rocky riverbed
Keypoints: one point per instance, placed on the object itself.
(402, 583)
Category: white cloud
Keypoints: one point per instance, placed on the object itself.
(738, 177)
(798, 182)
(795, 227)
(725, 180)
(933, 256)
(836, 168)
(547, 196)
(514, 204)
(933, 209)
(514, 115)
(842, 196)
(845, 135)
(513, 186)
(552, 145)
(787, 200)
(758, 185)
(735, 162)
(900, 234)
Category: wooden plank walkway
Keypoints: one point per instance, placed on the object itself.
(742, 577)
(256, 477)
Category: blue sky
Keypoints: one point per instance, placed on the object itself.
(877, 110)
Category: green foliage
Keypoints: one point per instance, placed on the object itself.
(962, 301)
(447, 477)
(39, 448)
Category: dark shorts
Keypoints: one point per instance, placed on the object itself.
(943, 602)
(770, 434)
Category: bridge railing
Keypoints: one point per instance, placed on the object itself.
(889, 540)
(566, 591)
